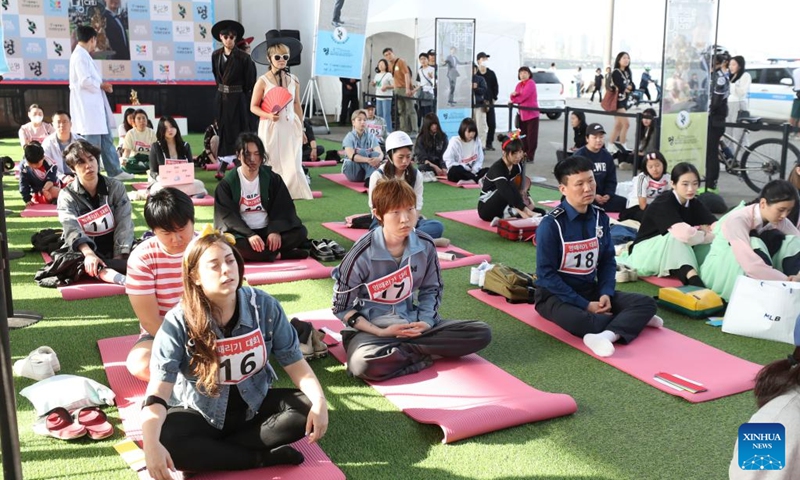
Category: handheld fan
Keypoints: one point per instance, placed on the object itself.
(276, 99)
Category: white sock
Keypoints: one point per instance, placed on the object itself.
(656, 322)
(602, 344)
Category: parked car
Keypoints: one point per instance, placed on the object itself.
(550, 92)
(772, 90)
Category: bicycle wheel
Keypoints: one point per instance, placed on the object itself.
(764, 157)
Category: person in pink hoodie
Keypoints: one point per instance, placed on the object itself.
(524, 95)
(757, 240)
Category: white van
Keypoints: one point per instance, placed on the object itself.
(550, 93)
(772, 90)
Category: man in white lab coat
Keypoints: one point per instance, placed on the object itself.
(91, 114)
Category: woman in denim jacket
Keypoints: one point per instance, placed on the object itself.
(209, 404)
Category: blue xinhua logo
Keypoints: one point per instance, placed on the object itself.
(762, 446)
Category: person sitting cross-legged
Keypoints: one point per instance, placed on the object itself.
(154, 283)
(362, 150)
(254, 205)
(576, 268)
(388, 291)
(38, 178)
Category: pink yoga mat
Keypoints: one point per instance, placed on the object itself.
(468, 217)
(466, 397)
(445, 181)
(90, 288)
(206, 201)
(316, 193)
(663, 282)
(654, 350)
(555, 203)
(140, 185)
(130, 393)
(215, 166)
(39, 210)
(469, 259)
(343, 181)
(320, 163)
(285, 271)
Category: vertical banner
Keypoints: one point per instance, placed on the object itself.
(455, 51)
(137, 40)
(3, 62)
(340, 38)
(689, 35)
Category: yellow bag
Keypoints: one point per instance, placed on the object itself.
(691, 301)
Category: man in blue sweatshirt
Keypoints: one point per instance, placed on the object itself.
(605, 172)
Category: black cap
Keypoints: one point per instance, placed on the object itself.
(431, 52)
(483, 55)
(595, 129)
(369, 105)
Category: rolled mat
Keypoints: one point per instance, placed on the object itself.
(468, 217)
(206, 201)
(316, 193)
(663, 282)
(130, 393)
(320, 163)
(140, 185)
(555, 203)
(445, 181)
(265, 273)
(654, 350)
(90, 288)
(343, 181)
(463, 257)
(39, 210)
(215, 166)
(466, 396)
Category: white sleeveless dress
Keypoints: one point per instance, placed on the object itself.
(283, 140)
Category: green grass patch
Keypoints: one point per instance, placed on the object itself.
(623, 429)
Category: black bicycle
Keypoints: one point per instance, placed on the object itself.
(759, 163)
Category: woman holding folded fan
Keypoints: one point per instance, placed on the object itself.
(388, 290)
(170, 148)
(210, 405)
(504, 190)
(281, 125)
(674, 228)
(757, 240)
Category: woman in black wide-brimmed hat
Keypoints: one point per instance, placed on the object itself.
(235, 74)
(281, 130)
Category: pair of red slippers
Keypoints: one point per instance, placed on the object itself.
(90, 420)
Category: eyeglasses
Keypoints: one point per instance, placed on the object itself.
(278, 58)
(228, 35)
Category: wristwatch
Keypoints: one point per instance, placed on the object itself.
(351, 322)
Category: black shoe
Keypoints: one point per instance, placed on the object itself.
(338, 250)
(489, 148)
(321, 251)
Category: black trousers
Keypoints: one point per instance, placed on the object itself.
(457, 172)
(197, 446)
(491, 125)
(716, 128)
(597, 91)
(380, 358)
(530, 128)
(349, 105)
(290, 240)
(630, 313)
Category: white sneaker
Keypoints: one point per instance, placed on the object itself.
(611, 148)
(428, 177)
(40, 364)
(124, 176)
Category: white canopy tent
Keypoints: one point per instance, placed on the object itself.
(409, 28)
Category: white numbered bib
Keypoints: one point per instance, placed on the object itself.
(469, 159)
(392, 288)
(375, 129)
(580, 257)
(140, 146)
(240, 357)
(175, 161)
(655, 187)
(97, 222)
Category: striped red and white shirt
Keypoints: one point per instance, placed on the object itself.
(152, 271)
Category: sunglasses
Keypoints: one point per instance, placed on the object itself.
(278, 58)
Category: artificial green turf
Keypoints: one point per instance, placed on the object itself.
(623, 427)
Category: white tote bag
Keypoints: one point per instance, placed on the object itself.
(765, 309)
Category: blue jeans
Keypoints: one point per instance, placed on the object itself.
(108, 152)
(383, 107)
(357, 172)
